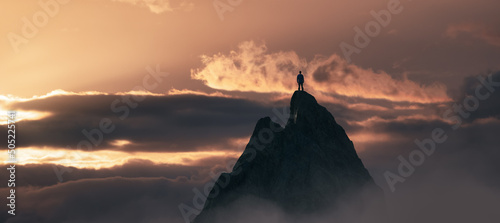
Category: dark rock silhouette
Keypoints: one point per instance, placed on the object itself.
(308, 166)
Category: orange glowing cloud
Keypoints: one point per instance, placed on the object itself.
(22, 116)
(250, 69)
(12, 98)
(372, 121)
(362, 140)
(107, 158)
(253, 68)
(7, 100)
(174, 91)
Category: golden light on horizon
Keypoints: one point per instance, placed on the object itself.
(362, 140)
(108, 158)
(22, 115)
(121, 142)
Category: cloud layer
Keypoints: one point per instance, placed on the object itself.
(156, 123)
(253, 68)
(457, 183)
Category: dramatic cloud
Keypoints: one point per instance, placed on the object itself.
(184, 127)
(105, 158)
(113, 199)
(486, 109)
(179, 123)
(252, 68)
(453, 184)
(42, 175)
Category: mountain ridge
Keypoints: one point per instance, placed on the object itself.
(307, 166)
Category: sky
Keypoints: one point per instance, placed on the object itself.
(136, 103)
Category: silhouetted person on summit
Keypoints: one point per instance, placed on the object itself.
(300, 80)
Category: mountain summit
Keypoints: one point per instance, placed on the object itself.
(308, 166)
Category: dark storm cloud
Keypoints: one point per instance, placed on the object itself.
(404, 120)
(457, 183)
(490, 106)
(475, 138)
(144, 190)
(167, 123)
(383, 109)
(113, 199)
(41, 175)
(468, 152)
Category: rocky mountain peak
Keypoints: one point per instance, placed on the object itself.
(308, 166)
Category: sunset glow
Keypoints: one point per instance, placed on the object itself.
(107, 159)
(132, 110)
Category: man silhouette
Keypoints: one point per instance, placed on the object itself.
(300, 80)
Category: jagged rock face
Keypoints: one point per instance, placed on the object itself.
(309, 165)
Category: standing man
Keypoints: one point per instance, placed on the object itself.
(300, 80)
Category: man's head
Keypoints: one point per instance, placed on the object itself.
(300, 72)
